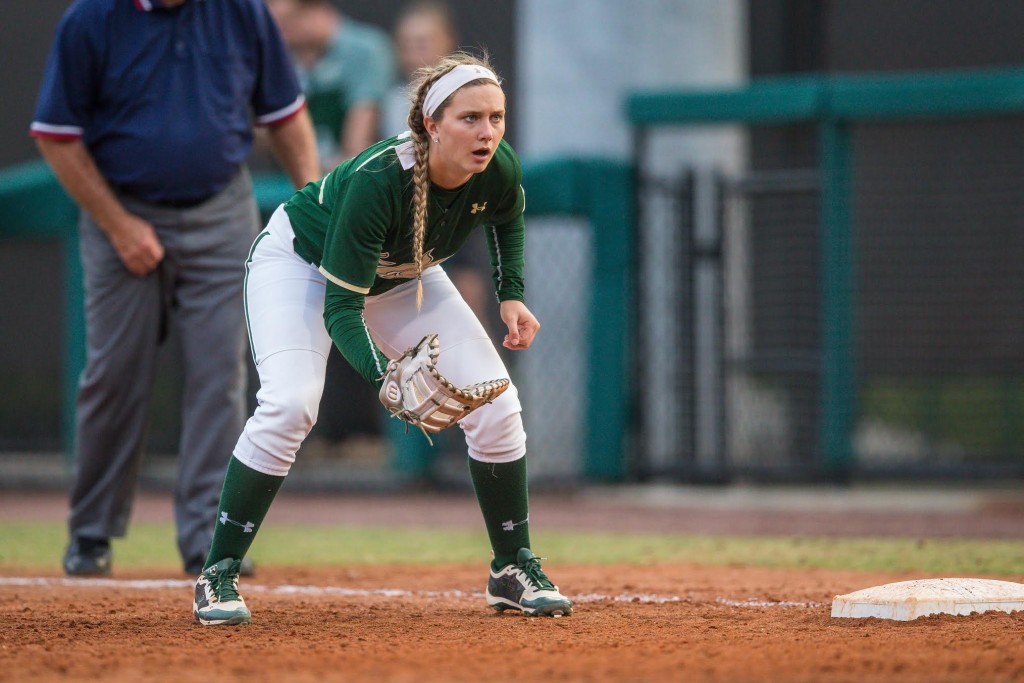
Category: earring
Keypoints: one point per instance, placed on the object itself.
(437, 141)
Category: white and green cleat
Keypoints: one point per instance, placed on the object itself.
(525, 587)
(217, 602)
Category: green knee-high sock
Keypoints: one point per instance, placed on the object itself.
(502, 493)
(244, 501)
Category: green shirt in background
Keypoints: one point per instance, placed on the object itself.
(358, 67)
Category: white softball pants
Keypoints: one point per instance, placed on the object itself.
(284, 303)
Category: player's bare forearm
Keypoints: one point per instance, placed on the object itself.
(294, 145)
(134, 239)
(522, 325)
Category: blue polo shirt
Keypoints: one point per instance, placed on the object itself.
(165, 98)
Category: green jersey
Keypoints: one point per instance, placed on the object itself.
(355, 224)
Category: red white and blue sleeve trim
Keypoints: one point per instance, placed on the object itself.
(276, 118)
(55, 132)
(40, 129)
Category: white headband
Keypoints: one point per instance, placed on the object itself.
(443, 87)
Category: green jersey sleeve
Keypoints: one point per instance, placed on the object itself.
(343, 318)
(506, 238)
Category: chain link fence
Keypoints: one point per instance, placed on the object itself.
(736, 265)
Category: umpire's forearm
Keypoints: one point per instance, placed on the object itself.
(81, 178)
(294, 146)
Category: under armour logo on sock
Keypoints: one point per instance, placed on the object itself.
(511, 526)
(246, 528)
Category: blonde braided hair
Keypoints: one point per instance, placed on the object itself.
(423, 78)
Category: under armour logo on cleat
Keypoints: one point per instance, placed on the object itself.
(246, 528)
(511, 526)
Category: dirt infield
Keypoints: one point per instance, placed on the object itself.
(396, 623)
(631, 624)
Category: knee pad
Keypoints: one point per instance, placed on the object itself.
(288, 406)
(494, 433)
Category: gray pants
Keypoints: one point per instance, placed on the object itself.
(199, 286)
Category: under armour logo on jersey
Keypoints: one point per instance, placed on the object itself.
(511, 526)
(246, 528)
(479, 207)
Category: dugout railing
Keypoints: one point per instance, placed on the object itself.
(848, 302)
(598, 192)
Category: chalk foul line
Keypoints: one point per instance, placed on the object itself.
(185, 584)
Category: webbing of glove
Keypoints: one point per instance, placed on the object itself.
(417, 393)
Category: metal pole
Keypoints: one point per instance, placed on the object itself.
(707, 323)
(838, 390)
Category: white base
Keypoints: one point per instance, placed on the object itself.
(907, 600)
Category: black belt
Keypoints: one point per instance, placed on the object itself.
(164, 203)
(181, 203)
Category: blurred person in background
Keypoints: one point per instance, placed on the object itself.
(145, 115)
(425, 32)
(345, 68)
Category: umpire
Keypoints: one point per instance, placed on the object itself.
(145, 114)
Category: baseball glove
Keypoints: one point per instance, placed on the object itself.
(414, 391)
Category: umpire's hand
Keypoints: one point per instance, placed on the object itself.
(136, 243)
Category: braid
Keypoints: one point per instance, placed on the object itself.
(421, 181)
(422, 80)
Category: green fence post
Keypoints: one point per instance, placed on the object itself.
(838, 352)
(610, 212)
(602, 192)
(39, 208)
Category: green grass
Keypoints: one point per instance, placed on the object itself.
(38, 546)
(982, 415)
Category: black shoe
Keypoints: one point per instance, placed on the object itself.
(88, 557)
(246, 567)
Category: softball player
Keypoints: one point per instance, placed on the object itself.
(355, 259)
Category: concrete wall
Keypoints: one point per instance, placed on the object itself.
(578, 58)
